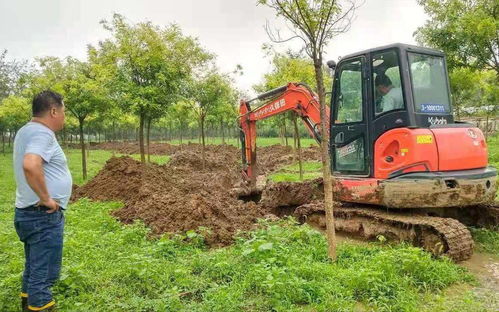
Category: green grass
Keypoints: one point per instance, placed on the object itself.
(493, 147)
(486, 240)
(108, 266)
(311, 170)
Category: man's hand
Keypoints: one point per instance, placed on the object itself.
(50, 203)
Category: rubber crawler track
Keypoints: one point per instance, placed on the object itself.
(454, 236)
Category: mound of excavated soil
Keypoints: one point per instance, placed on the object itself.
(133, 148)
(182, 195)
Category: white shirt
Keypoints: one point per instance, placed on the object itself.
(35, 138)
(392, 100)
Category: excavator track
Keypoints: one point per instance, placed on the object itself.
(440, 236)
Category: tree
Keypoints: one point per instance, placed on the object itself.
(209, 92)
(315, 23)
(14, 112)
(466, 30)
(226, 113)
(11, 74)
(291, 67)
(147, 66)
(83, 96)
(181, 113)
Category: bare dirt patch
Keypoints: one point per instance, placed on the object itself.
(182, 195)
(133, 148)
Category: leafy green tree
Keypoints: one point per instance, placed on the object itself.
(15, 111)
(209, 92)
(290, 67)
(315, 23)
(225, 114)
(181, 113)
(147, 66)
(83, 96)
(467, 30)
(11, 74)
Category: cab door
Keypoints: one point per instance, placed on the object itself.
(349, 139)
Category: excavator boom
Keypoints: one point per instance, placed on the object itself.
(295, 97)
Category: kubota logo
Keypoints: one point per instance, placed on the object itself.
(437, 121)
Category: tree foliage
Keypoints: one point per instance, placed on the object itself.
(211, 92)
(147, 66)
(291, 67)
(467, 30)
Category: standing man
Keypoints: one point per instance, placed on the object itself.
(44, 186)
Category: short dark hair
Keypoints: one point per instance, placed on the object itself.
(382, 79)
(44, 101)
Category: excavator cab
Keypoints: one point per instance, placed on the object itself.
(393, 138)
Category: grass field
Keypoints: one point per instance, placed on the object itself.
(281, 267)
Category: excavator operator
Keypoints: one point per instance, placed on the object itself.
(390, 97)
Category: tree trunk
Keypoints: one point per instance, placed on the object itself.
(181, 131)
(141, 137)
(238, 137)
(326, 163)
(486, 126)
(3, 143)
(203, 154)
(285, 132)
(298, 146)
(82, 146)
(223, 134)
(149, 121)
(281, 130)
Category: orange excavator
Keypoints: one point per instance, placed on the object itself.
(393, 143)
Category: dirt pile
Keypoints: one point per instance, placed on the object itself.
(178, 196)
(270, 158)
(133, 148)
(183, 195)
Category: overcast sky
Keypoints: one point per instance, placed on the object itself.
(233, 29)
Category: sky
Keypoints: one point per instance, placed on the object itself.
(232, 29)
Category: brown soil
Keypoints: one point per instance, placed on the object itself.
(181, 195)
(133, 148)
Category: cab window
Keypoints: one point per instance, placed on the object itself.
(429, 83)
(349, 99)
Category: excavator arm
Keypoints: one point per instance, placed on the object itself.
(291, 97)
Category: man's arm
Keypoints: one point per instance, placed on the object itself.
(33, 171)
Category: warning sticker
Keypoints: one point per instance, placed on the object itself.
(424, 139)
